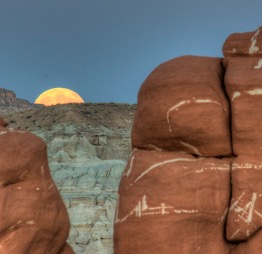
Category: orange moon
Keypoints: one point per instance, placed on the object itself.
(58, 95)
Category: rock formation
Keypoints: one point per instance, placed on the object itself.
(87, 153)
(193, 181)
(9, 102)
(33, 217)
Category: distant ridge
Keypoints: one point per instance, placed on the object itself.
(9, 102)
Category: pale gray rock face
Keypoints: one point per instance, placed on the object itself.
(86, 164)
(80, 143)
(89, 191)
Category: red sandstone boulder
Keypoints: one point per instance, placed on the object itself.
(244, 44)
(33, 217)
(172, 203)
(245, 213)
(252, 246)
(182, 107)
(243, 81)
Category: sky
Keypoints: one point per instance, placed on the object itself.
(105, 49)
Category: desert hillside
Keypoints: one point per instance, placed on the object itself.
(109, 115)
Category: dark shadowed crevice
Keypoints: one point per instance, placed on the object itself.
(223, 86)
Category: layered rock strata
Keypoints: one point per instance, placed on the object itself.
(86, 164)
(32, 214)
(193, 181)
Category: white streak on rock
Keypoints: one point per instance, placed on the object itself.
(252, 205)
(142, 209)
(193, 148)
(257, 91)
(224, 215)
(130, 166)
(245, 213)
(156, 165)
(6, 132)
(259, 64)
(175, 107)
(237, 201)
(207, 101)
(210, 167)
(235, 95)
(185, 102)
(235, 234)
(144, 204)
(244, 166)
(255, 35)
(257, 213)
(186, 211)
(253, 48)
(30, 222)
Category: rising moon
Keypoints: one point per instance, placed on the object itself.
(58, 95)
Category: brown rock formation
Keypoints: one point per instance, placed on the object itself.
(8, 99)
(172, 198)
(244, 44)
(178, 105)
(172, 203)
(32, 214)
(243, 81)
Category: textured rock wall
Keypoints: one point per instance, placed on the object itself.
(193, 181)
(9, 103)
(33, 216)
(86, 165)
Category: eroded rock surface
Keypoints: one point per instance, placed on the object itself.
(176, 108)
(33, 217)
(86, 164)
(88, 146)
(89, 191)
(193, 181)
(244, 44)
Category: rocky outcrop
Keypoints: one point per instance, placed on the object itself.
(177, 120)
(193, 182)
(9, 102)
(165, 198)
(243, 82)
(87, 153)
(32, 213)
(87, 164)
(89, 191)
(244, 44)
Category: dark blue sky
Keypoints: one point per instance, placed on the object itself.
(104, 49)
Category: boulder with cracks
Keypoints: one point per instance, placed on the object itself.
(193, 181)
